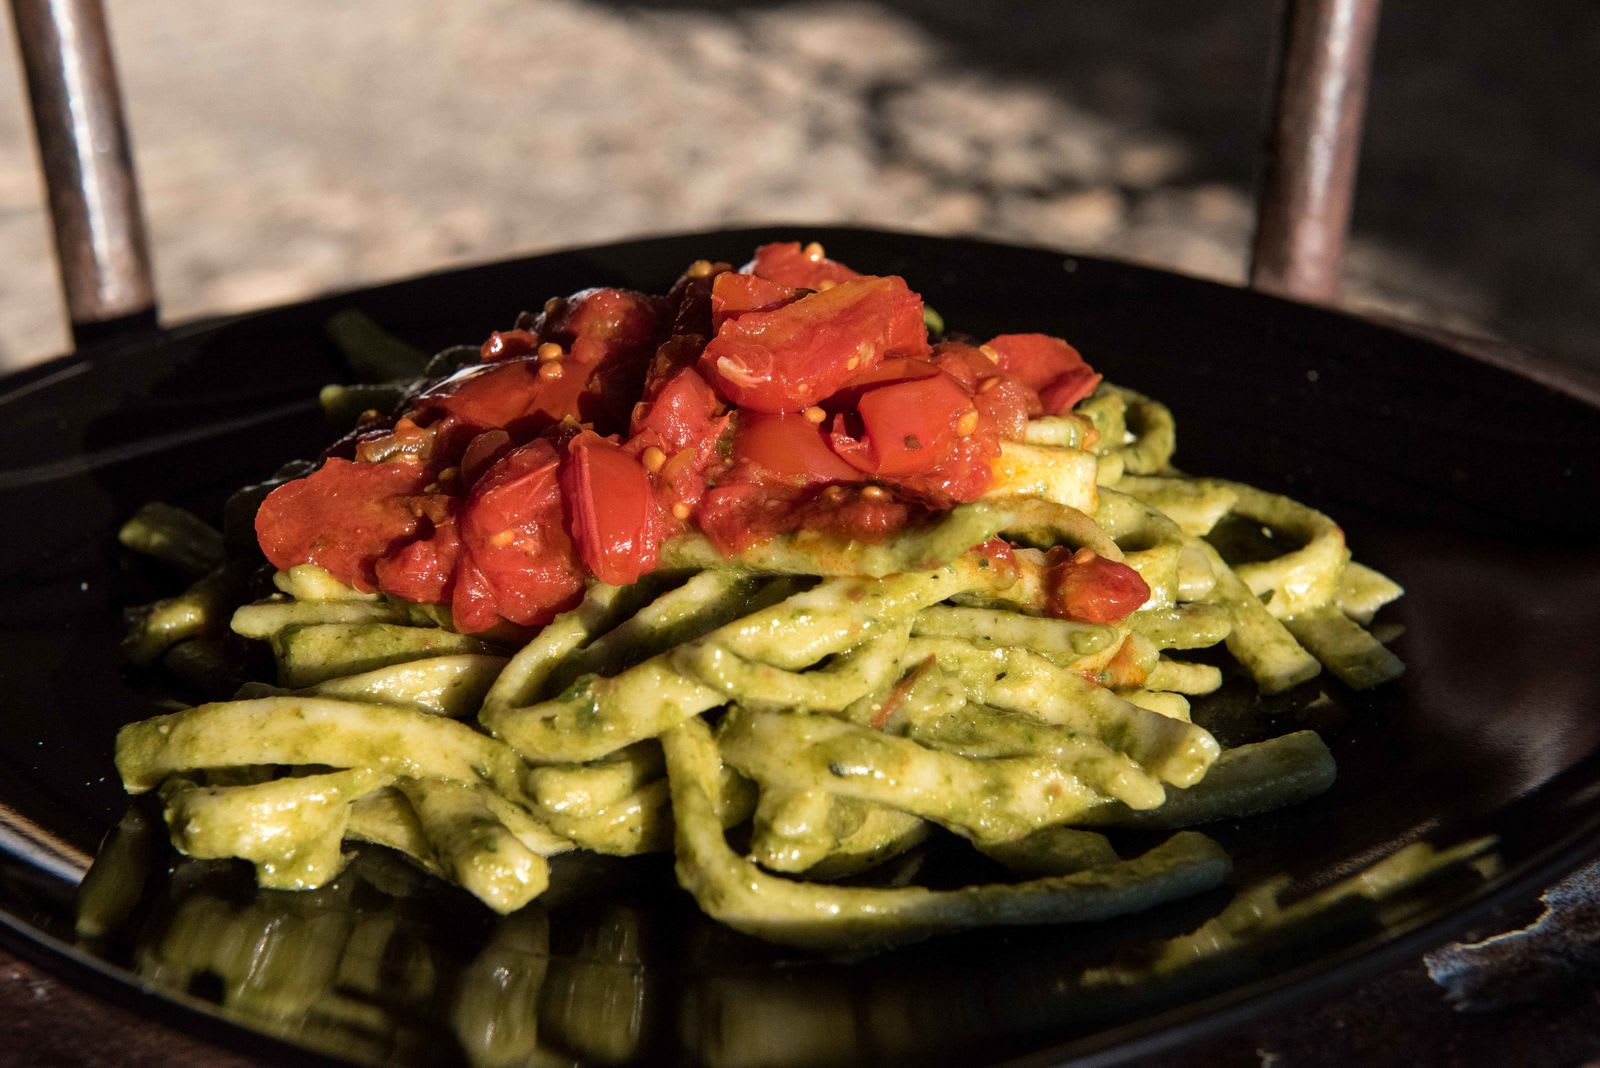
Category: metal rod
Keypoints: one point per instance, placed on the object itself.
(1314, 141)
(88, 167)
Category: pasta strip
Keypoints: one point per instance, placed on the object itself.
(289, 828)
(854, 674)
(1195, 506)
(1184, 626)
(1362, 591)
(1303, 578)
(739, 894)
(452, 686)
(1355, 657)
(595, 715)
(318, 652)
(978, 732)
(1061, 640)
(1257, 639)
(1249, 779)
(1177, 752)
(311, 730)
(995, 798)
(474, 848)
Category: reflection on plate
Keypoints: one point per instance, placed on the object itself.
(1472, 486)
(385, 964)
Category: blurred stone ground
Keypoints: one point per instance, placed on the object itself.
(300, 146)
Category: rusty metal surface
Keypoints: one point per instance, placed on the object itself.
(1314, 141)
(83, 145)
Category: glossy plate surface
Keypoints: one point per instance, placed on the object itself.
(1473, 486)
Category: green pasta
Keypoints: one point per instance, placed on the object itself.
(838, 703)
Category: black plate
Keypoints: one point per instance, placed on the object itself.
(1472, 485)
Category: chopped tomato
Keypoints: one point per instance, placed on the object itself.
(504, 486)
(611, 509)
(857, 517)
(508, 395)
(789, 447)
(481, 452)
(787, 263)
(789, 358)
(1049, 365)
(679, 413)
(1087, 587)
(423, 571)
(504, 344)
(738, 515)
(906, 426)
(343, 517)
(616, 319)
(518, 563)
(610, 336)
(1007, 401)
(733, 294)
(673, 355)
(688, 304)
(682, 478)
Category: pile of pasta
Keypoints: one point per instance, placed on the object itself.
(793, 723)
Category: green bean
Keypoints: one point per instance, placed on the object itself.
(174, 536)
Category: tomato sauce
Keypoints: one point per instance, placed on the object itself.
(792, 394)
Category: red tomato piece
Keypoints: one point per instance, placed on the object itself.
(611, 509)
(679, 413)
(1049, 365)
(734, 294)
(787, 263)
(904, 427)
(423, 571)
(682, 479)
(789, 447)
(508, 395)
(619, 319)
(789, 358)
(735, 516)
(504, 344)
(688, 303)
(856, 518)
(343, 517)
(481, 453)
(473, 605)
(1001, 398)
(672, 356)
(518, 563)
(610, 336)
(1087, 587)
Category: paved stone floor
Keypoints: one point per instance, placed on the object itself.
(298, 146)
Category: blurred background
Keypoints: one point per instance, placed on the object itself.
(299, 146)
